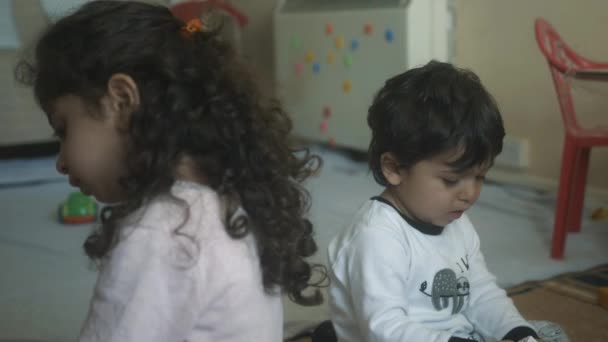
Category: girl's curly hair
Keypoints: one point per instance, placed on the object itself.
(199, 101)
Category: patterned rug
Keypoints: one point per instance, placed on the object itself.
(570, 300)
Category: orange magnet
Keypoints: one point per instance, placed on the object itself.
(331, 58)
(339, 42)
(310, 57)
(347, 86)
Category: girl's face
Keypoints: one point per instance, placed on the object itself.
(430, 191)
(92, 152)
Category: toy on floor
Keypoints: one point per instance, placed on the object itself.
(78, 208)
(599, 214)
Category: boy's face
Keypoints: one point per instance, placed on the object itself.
(430, 191)
(92, 152)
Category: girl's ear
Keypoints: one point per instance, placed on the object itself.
(391, 168)
(123, 97)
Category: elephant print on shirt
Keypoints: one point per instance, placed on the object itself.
(446, 286)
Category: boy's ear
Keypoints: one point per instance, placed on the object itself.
(123, 97)
(390, 168)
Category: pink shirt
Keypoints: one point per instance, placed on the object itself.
(195, 284)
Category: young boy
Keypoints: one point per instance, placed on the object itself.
(409, 267)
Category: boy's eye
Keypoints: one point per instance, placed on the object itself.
(59, 133)
(449, 181)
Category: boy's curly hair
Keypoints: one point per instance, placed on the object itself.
(425, 111)
(197, 100)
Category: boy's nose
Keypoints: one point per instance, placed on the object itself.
(470, 192)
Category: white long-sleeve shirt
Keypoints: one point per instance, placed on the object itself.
(395, 282)
(195, 284)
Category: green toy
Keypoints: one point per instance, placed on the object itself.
(78, 208)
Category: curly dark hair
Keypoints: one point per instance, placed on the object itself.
(432, 109)
(197, 100)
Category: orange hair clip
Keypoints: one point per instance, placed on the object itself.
(192, 26)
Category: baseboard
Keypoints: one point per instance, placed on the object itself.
(515, 177)
(497, 173)
(29, 150)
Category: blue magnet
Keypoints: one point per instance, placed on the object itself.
(389, 35)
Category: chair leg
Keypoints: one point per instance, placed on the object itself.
(579, 183)
(558, 242)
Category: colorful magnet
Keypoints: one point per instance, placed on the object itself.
(324, 126)
(389, 35)
(368, 29)
(326, 112)
(310, 57)
(348, 61)
(339, 42)
(331, 142)
(329, 29)
(331, 58)
(354, 44)
(316, 67)
(298, 68)
(295, 42)
(347, 86)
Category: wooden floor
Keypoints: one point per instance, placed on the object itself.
(570, 300)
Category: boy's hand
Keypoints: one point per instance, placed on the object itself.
(527, 339)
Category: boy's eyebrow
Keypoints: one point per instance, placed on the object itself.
(452, 170)
(49, 118)
(51, 113)
(53, 120)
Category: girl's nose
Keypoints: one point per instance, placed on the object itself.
(60, 164)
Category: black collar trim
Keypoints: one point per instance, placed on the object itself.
(423, 227)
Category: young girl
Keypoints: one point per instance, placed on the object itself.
(205, 227)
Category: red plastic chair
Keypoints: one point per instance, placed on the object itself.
(565, 63)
